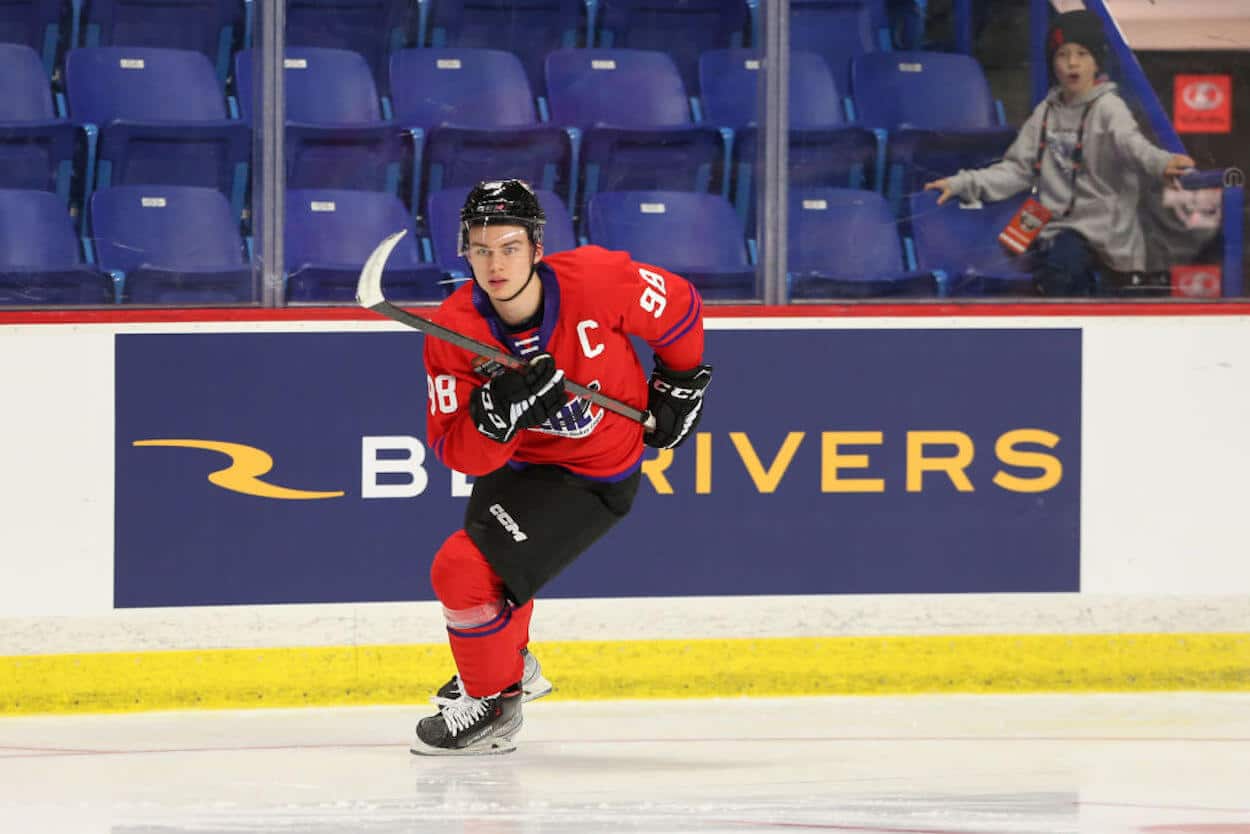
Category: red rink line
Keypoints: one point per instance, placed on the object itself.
(42, 751)
(39, 752)
(970, 309)
(1180, 828)
(57, 749)
(1152, 807)
(875, 829)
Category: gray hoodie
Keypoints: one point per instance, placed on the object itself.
(1117, 155)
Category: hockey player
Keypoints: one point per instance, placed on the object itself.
(553, 472)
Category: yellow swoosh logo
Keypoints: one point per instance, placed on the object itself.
(247, 464)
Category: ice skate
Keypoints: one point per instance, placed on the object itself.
(533, 684)
(469, 726)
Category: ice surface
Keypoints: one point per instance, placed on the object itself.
(1022, 764)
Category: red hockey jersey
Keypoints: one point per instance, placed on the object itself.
(593, 300)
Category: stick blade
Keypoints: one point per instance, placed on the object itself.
(369, 287)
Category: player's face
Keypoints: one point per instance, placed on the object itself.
(501, 257)
(1075, 68)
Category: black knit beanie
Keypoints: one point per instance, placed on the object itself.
(1081, 27)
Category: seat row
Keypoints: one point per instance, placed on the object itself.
(375, 28)
(608, 120)
(180, 245)
(214, 28)
(840, 244)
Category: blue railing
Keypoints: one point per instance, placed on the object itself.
(1133, 77)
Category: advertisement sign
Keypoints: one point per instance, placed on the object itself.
(257, 468)
(1198, 281)
(1203, 103)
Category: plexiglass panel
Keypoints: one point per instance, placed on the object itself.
(124, 167)
(915, 161)
(1011, 151)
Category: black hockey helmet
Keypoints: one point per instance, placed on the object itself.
(511, 202)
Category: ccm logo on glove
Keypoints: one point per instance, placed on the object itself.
(676, 403)
(664, 386)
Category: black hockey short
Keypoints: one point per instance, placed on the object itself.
(532, 523)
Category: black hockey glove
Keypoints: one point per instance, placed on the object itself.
(516, 400)
(676, 403)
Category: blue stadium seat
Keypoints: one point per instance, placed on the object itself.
(25, 92)
(210, 27)
(838, 30)
(41, 261)
(528, 29)
(329, 236)
(171, 245)
(938, 111)
(37, 24)
(475, 110)
(335, 133)
(729, 85)
(843, 243)
(698, 236)
(825, 149)
(156, 117)
(960, 242)
(443, 215)
(928, 90)
(637, 131)
(36, 144)
(682, 30)
(373, 28)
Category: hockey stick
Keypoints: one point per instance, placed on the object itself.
(369, 295)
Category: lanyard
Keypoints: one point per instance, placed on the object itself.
(1078, 154)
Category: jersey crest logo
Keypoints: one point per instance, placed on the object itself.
(577, 418)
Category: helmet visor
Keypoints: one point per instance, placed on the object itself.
(532, 229)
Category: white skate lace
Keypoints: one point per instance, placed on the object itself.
(461, 713)
(442, 701)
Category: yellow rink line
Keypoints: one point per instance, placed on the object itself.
(283, 677)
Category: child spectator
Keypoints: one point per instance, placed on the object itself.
(1084, 155)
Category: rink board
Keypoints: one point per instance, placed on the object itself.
(824, 544)
(859, 461)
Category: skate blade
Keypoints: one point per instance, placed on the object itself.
(539, 687)
(497, 748)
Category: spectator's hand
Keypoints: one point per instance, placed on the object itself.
(943, 185)
(1179, 165)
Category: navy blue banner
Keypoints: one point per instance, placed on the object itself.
(257, 468)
